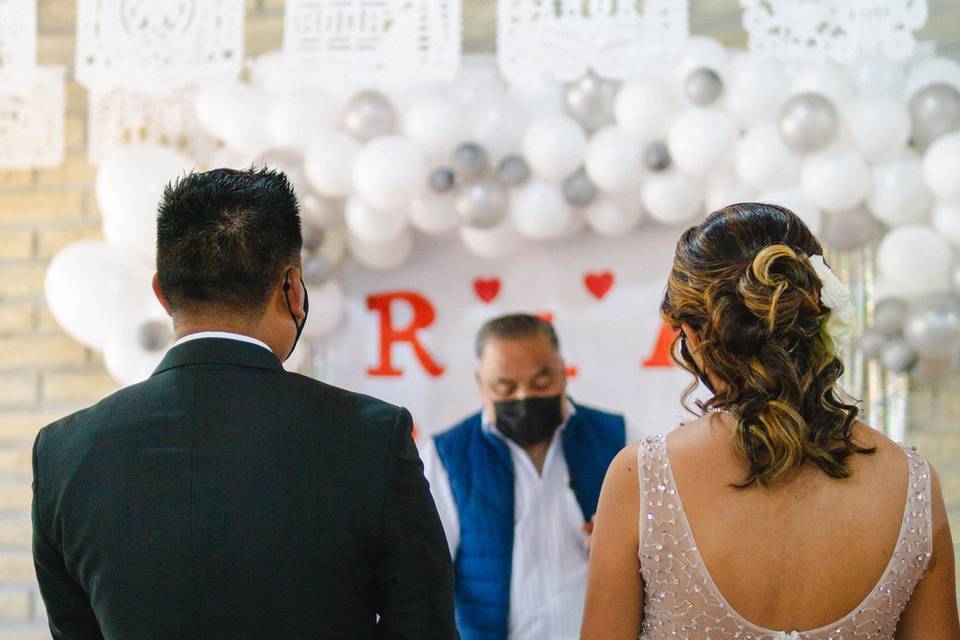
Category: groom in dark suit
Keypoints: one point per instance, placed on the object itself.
(225, 497)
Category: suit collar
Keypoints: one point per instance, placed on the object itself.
(219, 351)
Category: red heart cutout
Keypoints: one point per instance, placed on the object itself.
(487, 289)
(599, 284)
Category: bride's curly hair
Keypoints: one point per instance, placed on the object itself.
(742, 280)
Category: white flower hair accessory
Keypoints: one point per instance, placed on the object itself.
(835, 296)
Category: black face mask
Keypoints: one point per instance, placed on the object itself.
(306, 310)
(531, 420)
(688, 358)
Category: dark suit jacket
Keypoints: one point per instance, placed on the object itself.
(227, 498)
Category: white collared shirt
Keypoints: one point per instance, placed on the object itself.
(549, 577)
(222, 334)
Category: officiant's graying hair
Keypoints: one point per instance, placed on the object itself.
(743, 281)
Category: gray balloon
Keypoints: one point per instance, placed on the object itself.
(579, 190)
(889, 316)
(470, 160)
(703, 86)
(317, 270)
(808, 122)
(369, 114)
(934, 111)
(482, 204)
(933, 327)
(442, 179)
(313, 237)
(656, 157)
(154, 335)
(898, 356)
(850, 230)
(590, 100)
(871, 343)
(513, 171)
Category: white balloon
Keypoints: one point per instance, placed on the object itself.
(382, 256)
(498, 125)
(877, 75)
(763, 161)
(611, 218)
(914, 260)
(644, 109)
(540, 212)
(672, 198)
(755, 90)
(329, 161)
(899, 195)
(941, 166)
(435, 123)
(495, 243)
(825, 78)
(390, 172)
(700, 139)
(932, 71)
(725, 188)
(294, 119)
(835, 180)
(373, 225)
(91, 285)
(538, 98)
(946, 220)
(215, 101)
(796, 201)
(879, 126)
(701, 51)
(614, 160)
(327, 307)
(554, 146)
(129, 184)
(241, 125)
(433, 213)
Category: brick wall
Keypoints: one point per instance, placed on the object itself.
(45, 375)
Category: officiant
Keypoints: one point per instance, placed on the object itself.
(517, 485)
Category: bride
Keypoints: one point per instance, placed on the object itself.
(777, 514)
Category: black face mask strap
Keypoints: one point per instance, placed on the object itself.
(306, 308)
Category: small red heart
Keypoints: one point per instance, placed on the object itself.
(487, 289)
(599, 284)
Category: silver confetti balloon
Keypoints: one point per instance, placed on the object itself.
(154, 335)
(482, 204)
(656, 157)
(898, 356)
(513, 171)
(470, 160)
(579, 190)
(889, 316)
(590, 100)
(369, 114)
(933, 327)
(934, 111)
(808, 122)
(703, 86)
(442, 179)
(850, 230)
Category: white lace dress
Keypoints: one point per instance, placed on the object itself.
(682, 601)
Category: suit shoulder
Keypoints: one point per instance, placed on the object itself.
(344, 402)
(85, 420)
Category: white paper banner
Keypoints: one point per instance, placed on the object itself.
(31, 126)
(18, 45)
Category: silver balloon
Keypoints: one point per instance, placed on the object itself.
(590, 100)
(317, 270)
(442, 179)
(889, 316)
(850, 230)
(579, 190)
(470, 161)
(513, 171)
(154, 335)
(313, 237)
(808, 122)
(656, 156)
(369, 114)
(934, 111)
(703, 86)
(898, 356)
(871, 343)
(482, 204)
(933, 327)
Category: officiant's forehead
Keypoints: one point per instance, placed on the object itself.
(517, 328)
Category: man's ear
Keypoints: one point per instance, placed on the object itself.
(159, 295)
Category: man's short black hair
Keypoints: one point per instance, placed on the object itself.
(515, 326)
(225, 238)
